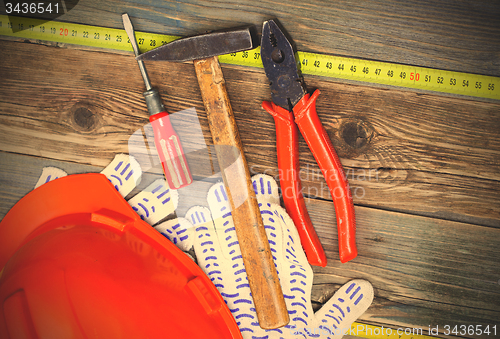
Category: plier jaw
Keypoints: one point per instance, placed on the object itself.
(294, 109)
(280, 65)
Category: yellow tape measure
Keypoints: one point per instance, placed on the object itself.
(311, 63)
(314, 64)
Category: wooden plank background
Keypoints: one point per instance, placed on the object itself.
(424, 168)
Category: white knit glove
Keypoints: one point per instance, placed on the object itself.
(218, 254)
(152, 204)
(211, 232)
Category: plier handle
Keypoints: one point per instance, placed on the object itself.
(293, 107)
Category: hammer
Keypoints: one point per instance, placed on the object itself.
(203, 50)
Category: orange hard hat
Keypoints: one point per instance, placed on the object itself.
(78, 262)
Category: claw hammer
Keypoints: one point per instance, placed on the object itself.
(261, 271)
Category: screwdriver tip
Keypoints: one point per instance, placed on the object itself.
(129, 29)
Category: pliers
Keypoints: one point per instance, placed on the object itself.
(292, 106)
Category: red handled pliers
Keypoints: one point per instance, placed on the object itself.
(292, 106)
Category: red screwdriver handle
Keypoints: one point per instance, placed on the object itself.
(170, 151)
(287, 144)
(318, 141)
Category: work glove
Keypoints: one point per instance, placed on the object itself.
(152, 204)
(218, 254)
(212, 234)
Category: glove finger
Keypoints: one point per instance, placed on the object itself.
(155, 202)
(274, 230)
(345, 307)
(294, 271)
(299, 274)
(266, 189)
(179, 231)
(124, 172)
(206, 245)
(49, 174)
(224, 226)
(228, 275)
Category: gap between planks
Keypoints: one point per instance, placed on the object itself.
(441, 154)
(424, 270)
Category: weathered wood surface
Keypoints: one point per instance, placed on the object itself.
(424, 168)
(425, 271)
(442, 154)
(256, 253)
(455, 35)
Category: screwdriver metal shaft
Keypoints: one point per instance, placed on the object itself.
(167, 141)
(127, 24)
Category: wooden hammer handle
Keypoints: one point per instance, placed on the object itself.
(262, 276)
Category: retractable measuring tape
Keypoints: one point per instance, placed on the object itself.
(311, 63)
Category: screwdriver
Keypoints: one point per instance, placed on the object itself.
(166, 139)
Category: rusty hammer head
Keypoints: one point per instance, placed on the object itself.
(204, 45)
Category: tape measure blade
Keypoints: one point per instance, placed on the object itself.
(366, 71)
(385, 73)
(114, 38)
(488, 87)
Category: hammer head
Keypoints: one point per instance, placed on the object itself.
(204, 45)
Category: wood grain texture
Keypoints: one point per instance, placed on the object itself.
(441, 154)
(424, 168)
(454, 35)
(255, 250)
(425, 271)
(20, 173)
(434, 270)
